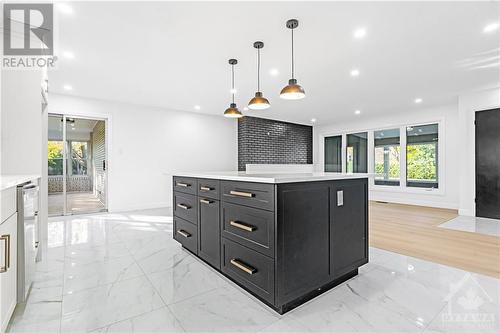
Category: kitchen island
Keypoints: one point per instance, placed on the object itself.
(285, 238)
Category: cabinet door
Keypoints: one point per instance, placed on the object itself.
(349, 225)
(209, 231)
(8, 277)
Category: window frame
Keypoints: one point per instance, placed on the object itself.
(441, 190)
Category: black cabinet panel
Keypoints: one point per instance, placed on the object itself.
(251, 269)
(303, 238)
(349, 232)
(185, 185)
(209, 188)
(249, 194)
(251, 227)
(186, 234)
(209, 231)
(186, 207)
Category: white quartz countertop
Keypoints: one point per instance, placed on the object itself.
(273, 178)
(8, 181)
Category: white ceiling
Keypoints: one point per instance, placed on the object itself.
(174, 55)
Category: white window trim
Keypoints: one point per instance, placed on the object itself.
(402, 188)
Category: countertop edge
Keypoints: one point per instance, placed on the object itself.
(8, 181)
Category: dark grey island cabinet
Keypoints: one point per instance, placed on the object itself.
(283, 242)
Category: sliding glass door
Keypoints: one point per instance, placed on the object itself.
(76, 165)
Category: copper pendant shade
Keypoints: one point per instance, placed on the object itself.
(259, 102)
(292, 90)
(232, 111)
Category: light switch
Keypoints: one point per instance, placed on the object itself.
(340, 198)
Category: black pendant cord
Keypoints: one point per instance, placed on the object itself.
(258, 69)
(293, 74)
(232, 82)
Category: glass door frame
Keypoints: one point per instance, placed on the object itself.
(65, 153)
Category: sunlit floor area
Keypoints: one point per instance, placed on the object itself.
(124, 273)
(479, 225)
(417, 231)
(77, 203)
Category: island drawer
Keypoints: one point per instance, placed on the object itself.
(186, 207)
(185, 185)
(209, 188)
(248, 226)
(252, 270)
(186, 234)
(256, 195)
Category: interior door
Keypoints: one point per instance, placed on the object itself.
(488, 163)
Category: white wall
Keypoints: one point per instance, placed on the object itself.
(148, 145)
(447, 196)
(468, 104)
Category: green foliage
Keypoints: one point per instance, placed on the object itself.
(421, 161)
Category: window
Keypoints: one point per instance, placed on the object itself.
(387, 152)
(333, 154)
(55, 158)
(357, 153)
(422, 156)
(79, 158)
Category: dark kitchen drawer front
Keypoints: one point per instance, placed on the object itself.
(186, 234)
(251, 269)
(209, 188)
(185, 185)
(186, 207)
(209, 231)
(251, 227)
(256, 195)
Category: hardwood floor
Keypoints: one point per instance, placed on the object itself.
(414, 231)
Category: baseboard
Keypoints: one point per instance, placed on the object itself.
(140, 207)
(425, 203)
(465, 212)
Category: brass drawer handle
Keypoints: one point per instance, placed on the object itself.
(242, 194)
(183, 233)
(6, 254)
(244, 267)
(205, 201)
(183, 184)
(205, 188)
(183, 206)
(243, 226)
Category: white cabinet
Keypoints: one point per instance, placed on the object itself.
(8, 265)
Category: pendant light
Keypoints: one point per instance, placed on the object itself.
(232, 111)
(259, 102)
(292, 90)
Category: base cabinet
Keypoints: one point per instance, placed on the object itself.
(8, 270)
(284, 243)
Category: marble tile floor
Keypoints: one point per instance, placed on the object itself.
(124, 273)
(479, 225)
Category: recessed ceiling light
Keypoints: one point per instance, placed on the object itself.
(360, 33)
(418, 100)
(357, 112)
(233, 91)
(274, 71)
(355, 72)
(65, 8)
(313, 120)
(67, 87)
(245, 108)
(68, 55)
(491, 27)
(197, 107)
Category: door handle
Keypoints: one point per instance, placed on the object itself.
(242, 194)
(183, 233)
(6, 254)
(242, 226)
(340, 198)
(183, 206)
(205, 188)
(205, 201)
(244, 267)
(183, 184)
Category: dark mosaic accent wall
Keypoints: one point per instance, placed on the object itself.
(265, 141)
